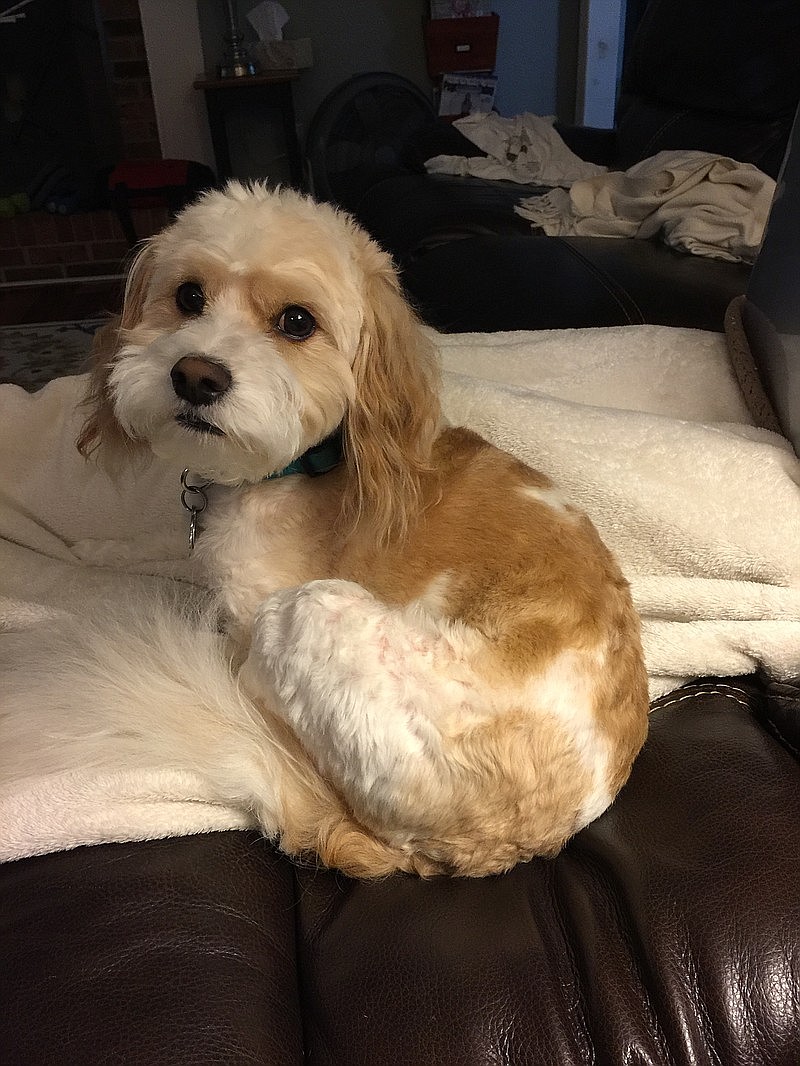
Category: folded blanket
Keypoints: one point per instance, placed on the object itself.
(525, 149)
(643, 426)
(699, 203)
(646, 428)
(57, 812)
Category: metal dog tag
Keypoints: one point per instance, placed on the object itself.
(195, 500)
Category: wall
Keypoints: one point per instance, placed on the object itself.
(560, 57)
(536, 63)
(180, 109)
(367, 35)
(600, 61)
(38, 246)
(353, 38)
(527, 56)
(131, 89)
(348, 38)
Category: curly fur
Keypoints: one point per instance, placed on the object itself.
(439, 655)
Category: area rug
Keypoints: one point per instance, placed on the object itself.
(30, 356)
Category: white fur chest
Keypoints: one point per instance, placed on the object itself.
(263, 538)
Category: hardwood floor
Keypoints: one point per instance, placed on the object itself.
(67, 302)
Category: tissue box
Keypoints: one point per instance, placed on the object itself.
(283, 55)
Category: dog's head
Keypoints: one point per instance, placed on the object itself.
(253, 327)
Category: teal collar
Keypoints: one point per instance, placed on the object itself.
(320, 459)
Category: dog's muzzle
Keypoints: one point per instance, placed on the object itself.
(200, 382)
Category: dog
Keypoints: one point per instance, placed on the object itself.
(437, 643)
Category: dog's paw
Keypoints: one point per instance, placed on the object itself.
(348, 674)
(302, 639)
(321, 615)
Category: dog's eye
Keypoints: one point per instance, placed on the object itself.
(296, 323)
(190, 298)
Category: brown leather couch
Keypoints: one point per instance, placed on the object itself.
(666, 934)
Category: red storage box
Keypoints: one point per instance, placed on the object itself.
(461, 44)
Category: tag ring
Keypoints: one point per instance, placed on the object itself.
(195, 500)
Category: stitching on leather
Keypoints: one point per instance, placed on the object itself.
(702, 687)
(732, 693)
(713, 686)
(602, 278)
(712, 690)
(794, 700)
(609, 288)
(783, 739)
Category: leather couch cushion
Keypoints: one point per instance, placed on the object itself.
(562, 282)
(645, 128)
(409, 210)
(666, 932)
(174, 952)
(469, 263)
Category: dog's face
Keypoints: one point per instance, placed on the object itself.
(243, 325)
(253, 326)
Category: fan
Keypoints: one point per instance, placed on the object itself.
(358, 133)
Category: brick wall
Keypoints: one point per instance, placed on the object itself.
(38, 246)
(130, 84)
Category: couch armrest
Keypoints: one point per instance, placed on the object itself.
(172, 951)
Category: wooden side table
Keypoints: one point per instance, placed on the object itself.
(253, 93)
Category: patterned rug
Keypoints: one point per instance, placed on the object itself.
(31, 356)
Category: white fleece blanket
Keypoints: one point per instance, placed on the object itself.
(696, 202)
(525, 149)
(644, 426)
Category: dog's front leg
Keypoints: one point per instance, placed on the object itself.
(370, 690)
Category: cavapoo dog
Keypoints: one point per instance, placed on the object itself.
(435, 651)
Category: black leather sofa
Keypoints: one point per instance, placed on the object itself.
(667, 933)
(717, 76)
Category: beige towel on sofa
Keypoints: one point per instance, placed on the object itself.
(699, 203)
(525, 149)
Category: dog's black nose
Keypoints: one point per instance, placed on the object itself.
(200, 381)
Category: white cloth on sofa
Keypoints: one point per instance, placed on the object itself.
(646, 428)
(525, 149)
(697, 202)
(643, 426)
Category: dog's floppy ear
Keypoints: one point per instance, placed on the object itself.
(392, 422)
(101, 426)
